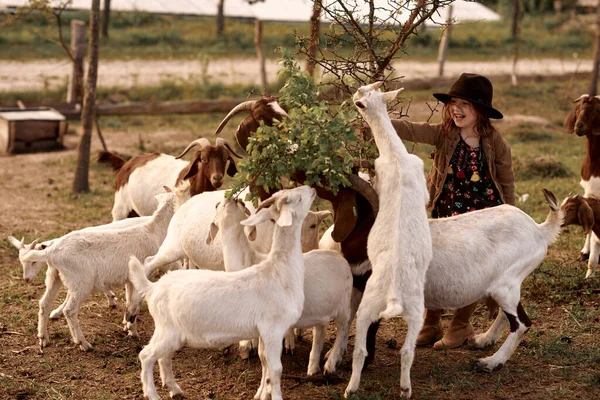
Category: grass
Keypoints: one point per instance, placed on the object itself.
(145, 35)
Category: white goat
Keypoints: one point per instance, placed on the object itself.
(94, 260)
(190, 225)
(327, 284)
(399, 243)
(110, 296)
(214, 308)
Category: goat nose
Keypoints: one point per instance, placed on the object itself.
(217, 177)
(579, 125)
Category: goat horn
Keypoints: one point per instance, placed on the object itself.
(202, 142)
(223, 142)
(366, 190)
(245, 106)
(581, 97)
(267, 203)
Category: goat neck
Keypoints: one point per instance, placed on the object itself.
(591, 163)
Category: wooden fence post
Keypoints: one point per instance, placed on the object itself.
(261, 57)
(78, 49)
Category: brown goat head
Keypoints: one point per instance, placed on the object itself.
(206, 169)
(266, 109)
(584, 118)
(577, 211)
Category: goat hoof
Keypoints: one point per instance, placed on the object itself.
(85, 346)
(485, 366)
(177, 396)
(56, 314)
(405, 393)
(584, 256)
(44, 342)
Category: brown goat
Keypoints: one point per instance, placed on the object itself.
(266, 109)
(584, 120)
(584, 211)
(138, 180)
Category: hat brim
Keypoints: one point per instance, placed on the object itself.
(491, 111)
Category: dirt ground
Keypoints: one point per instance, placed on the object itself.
(39, 75)
(559, 357)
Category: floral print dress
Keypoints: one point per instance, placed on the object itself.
(468, 185)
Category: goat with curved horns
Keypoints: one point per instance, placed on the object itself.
(266, 110)
(138, 180)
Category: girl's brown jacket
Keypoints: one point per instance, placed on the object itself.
(495, 147)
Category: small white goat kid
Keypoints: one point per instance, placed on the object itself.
(399, 243)
(213, 308)
(52, 273)
(327, 284)
(94, 260)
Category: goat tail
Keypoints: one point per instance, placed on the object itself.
(114, 160)
(137, 276)
(551, 227)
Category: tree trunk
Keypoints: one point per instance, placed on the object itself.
(443, 49)
(315, 25)
(105, 18)
(78, 48)
(261, 56)
(594, 83)
(81, 181)
(220, 18)
(516, 6)
(513, 75)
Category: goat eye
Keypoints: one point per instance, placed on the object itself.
(313, 226)
(204, 161)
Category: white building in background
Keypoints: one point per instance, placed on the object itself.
(278, 10)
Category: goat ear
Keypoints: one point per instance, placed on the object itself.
(193, 168)
(168, 189)
(286, 216)
(586, 217)
(15, 242)
(323, 214)
(391, 95)
(569, 124)
(257, 218)
(232, 168)
(345, 216)
(595, 128)
(250, 232)
(212, 233)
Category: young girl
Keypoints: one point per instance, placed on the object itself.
(472, 170)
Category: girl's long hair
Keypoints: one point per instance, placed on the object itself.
(483, 125)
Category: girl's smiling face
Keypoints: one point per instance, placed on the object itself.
(463, 113)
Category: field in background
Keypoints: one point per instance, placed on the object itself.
(144, 35)
(559, 357)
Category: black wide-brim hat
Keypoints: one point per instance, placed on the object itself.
(474, 88)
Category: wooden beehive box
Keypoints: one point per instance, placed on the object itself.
(30, 126)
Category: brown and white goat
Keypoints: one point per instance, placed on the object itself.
(585, 211)
(584, 120)
(138, 180)
(266, 110)
(353, 207)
